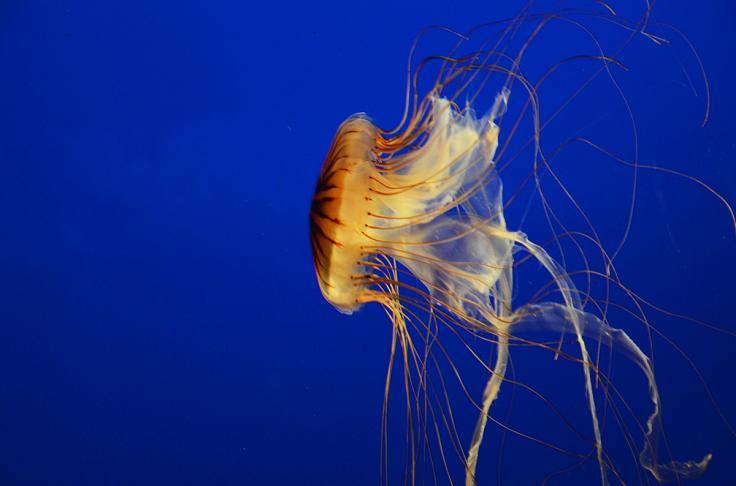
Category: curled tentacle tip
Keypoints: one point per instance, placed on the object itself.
(706, 460)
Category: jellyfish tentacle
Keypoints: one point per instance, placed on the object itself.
(557, 318)
(572, 303)
(490, 394)
(503, 308)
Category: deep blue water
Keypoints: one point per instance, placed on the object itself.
(160, 320)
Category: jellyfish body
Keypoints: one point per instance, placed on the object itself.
(422, 211)
(363, 204)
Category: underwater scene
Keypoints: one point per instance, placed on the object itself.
(289, 243)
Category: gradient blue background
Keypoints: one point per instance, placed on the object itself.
(159, 318)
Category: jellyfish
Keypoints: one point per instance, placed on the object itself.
(414, 219)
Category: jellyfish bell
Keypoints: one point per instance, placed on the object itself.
(414, 219)
(338, 215)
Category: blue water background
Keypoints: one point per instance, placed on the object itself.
(160, 322)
